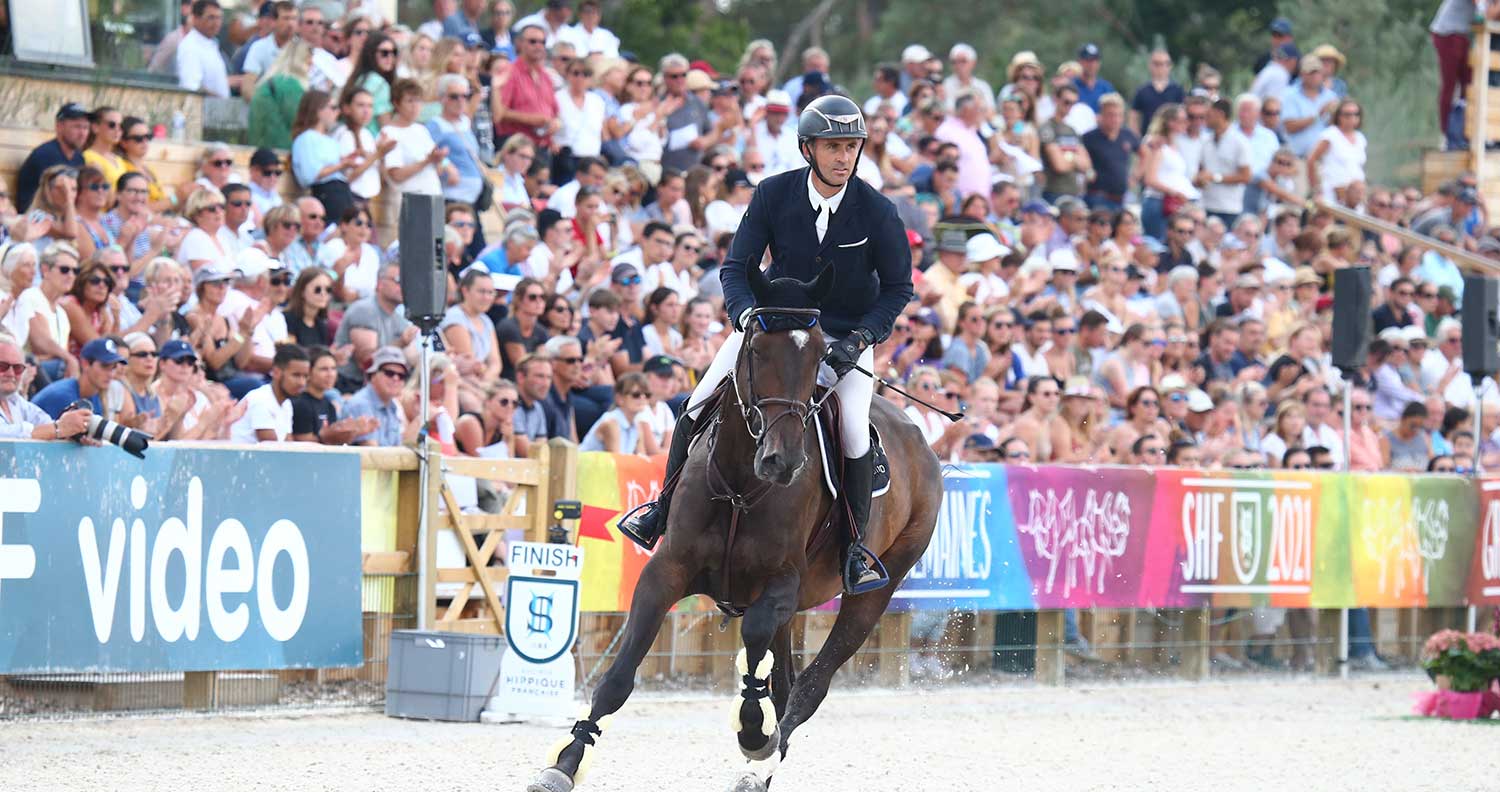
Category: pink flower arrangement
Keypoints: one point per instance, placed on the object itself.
(1471, 661)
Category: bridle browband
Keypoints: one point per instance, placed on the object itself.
(772, 320)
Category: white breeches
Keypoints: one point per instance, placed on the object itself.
(855, 392)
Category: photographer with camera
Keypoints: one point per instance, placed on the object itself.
(20, 419)
(100, 362)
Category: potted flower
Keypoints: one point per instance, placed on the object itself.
(1465, 667)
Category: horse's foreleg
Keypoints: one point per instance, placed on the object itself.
(783, 675)
(754, 716)
(661, 585)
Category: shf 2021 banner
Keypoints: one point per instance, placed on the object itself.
(1021, 538)
(188, 560)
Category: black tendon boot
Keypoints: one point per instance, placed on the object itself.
(860, 574)
(645, 524)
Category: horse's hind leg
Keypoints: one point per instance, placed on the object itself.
(662, 584)
(754, 716)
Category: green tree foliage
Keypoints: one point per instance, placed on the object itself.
(653, 28)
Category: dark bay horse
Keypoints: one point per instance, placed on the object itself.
(759, 456)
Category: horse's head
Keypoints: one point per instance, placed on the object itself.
(777, 371)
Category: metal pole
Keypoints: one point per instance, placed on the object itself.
(1478, 422)
(1343, 648)
(422, 582)
(1473, 619)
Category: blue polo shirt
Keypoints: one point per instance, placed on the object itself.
(1295, 105)
(366, 402)
(1091, 96)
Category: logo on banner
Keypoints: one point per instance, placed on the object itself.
(18, 496)
(1244, 535)
(1081, 540)
(1284, 551)
(541, 618)
(1489, 549)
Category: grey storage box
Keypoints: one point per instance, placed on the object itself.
(441, 675)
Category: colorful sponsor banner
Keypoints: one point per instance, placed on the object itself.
(192, 559)
(1020, 538)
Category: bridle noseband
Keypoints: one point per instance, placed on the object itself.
(752, 408)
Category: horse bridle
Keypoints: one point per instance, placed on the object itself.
(772, 320)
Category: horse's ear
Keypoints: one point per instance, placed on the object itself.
(760, 287)
(821, 287)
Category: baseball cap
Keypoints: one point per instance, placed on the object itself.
(1415, 335)
(778, 101)
(1063, 259)
(915, 53)
(101, 350)
(726, 88)
(705, 67)
(1289, 50)
(1089, 51)
(1198, 401)
(698, 80)
(660, 364)
(1247, 282)
(929, 317)
(978, 442)
(177, 349)
(1281, 26)
(1132, 272)
(952, 241)
(1038, 207)
(473, 40)
(737, 178)
(210, 275)
(72, 110)
(1447, 293)
(1469, 196)
(983, 247)
(1309, 63)
(254, 262)
(622, 273)
(264, 157)
(268, 11)
(386, 356)
(1307, 276)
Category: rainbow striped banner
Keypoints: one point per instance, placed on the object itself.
(1022, 538)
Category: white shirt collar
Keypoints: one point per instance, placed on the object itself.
(818, 201)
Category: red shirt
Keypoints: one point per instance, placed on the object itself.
(529, 90)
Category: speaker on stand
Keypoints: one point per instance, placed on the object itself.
(1481, 327)
(1352, 324)
(424, 292)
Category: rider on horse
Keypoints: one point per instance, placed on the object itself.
(815, 217)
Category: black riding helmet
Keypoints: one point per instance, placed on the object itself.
(829, 116)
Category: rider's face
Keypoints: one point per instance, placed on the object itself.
(835, 158)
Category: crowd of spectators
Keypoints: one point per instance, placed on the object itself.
(1103, 274)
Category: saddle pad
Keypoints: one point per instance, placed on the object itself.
(879, 483)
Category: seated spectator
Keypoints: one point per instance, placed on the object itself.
(469, 336)
(380, 398)
(490, 433)
(46, 325)
(1148, 449)
(209, 244)
(1184, 454)
(88, 206)
(306, 312)
(349, 257)
(1142, 418)
(1287, 431)
(21, 419)
(576, 394)
(1364, 446)
(658, 333)
(317, 160)
(522, 333)
(302, 251)
(316, 410)
(278, 93)
(54, 212)
(664, 378)
(95, 383)
(535, 420)
(372, 323)
(1389, 368)
(268, 409)
(223, 346)
(1407, 447)
(135, 144)
(87, 306)
(71, 131)
(626, 429)
(967, 352)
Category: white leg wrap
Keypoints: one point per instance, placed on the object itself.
(767, 708)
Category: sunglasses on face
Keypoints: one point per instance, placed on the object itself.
(97, 187)
(239, 204)
(383, 52)
(146, 138)
(571, 361)
(144, 354)
(290, 225)
(1063, 331)
(136, 192)
(358, 222)
(462, 224)
(221, 163)
(1003, 325)
(15, 368)
(566, 308)
(272, 172)
(505, 402)
(98, 280)
(119, 269)
(632, 280)
(281, 280)
(395, 374)
(536, 296)
(454, 97)
(213, 208)
(316, 218)
(1152, 452)
(66, 270)
(1148, 403)
(640, 82)
(636, 395)
(1018, 456)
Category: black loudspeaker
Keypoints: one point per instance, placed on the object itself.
(424, 278)
(1481, 300)
(1351, 317)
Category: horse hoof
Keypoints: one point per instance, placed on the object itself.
(553, 780)
(766, 751)
(749, 783)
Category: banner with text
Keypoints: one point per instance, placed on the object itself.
(1021, 538)
(193, 559)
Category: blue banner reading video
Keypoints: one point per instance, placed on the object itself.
(191, 560)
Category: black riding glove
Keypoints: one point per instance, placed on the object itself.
(843, 356)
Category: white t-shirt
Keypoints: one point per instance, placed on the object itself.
(200, 66)
(722, 216)
(564, 199)
(587, 43)
(897, 100)
(413, 144)
(582, 127)
(359, 276)
(235, 304)
(260, 55)
(31, 303)
(262, 411)
(992, 287)
(266, 335)
(197, 245)
(367, 186)
(1343, 163)
(1225, 156)
(641, 142)
(780, 150)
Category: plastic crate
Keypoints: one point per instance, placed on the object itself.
(441, 675)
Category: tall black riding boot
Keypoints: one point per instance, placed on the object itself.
(860, 575)
(645, 524)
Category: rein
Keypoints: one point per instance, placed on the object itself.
(752, 410)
